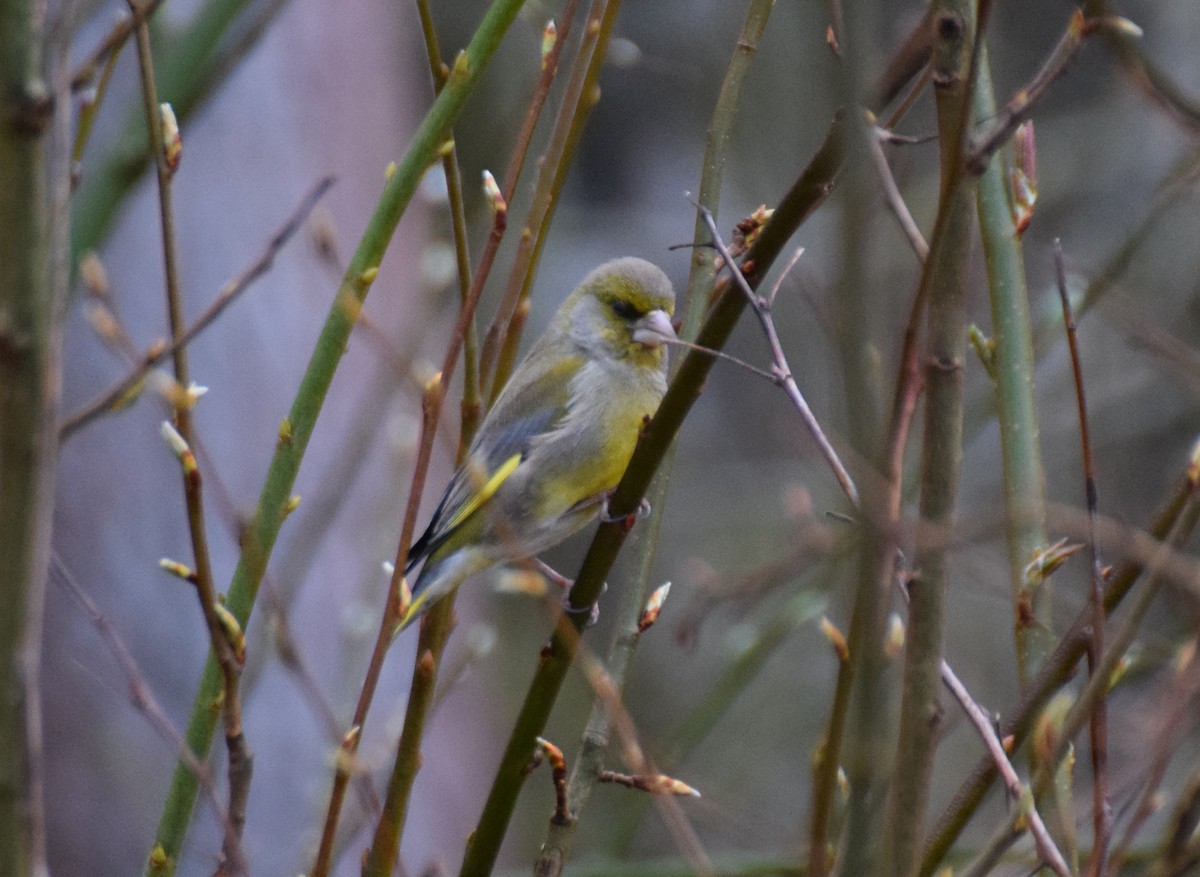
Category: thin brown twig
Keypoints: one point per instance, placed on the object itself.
(503, 336)
(86, 71)
(159, 351)
(1180, 709)
(286, 647)
(1017, 790)
(895, 201)
(240, 767)
(1098, 725)
(636, 758)
(508, 188)
(142, 698)
(762, 310)
(431, 407)
(984, 143)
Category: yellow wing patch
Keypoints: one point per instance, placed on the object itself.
(485, 492)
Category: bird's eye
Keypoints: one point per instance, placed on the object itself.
(624, 309)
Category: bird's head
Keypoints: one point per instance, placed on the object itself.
(622, 310)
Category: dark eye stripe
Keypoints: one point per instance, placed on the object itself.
(624, 309)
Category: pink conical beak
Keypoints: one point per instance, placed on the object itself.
(654, 329)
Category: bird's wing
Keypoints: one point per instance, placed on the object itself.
(533, 404)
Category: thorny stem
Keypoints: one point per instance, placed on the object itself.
(1101, 815)
(240, 756)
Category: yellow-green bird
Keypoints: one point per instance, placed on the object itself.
(559, 436)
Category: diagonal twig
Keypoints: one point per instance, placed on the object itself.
(143, 699)
(762, 310)
(162, 350)
(1019, 792)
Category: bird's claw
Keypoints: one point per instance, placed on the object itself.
(627, 521)
(593, 611)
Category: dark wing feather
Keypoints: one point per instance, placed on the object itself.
(533, 404)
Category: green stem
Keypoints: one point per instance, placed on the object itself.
(30, 320)
(1024, 481)
(297, 428)
(943, 285)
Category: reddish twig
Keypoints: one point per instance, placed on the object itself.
(1098, 726)
(508, 188)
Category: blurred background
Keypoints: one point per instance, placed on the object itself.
(339, 90)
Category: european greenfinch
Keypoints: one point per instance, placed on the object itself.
(559, 436)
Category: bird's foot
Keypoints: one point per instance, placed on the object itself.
(625, 521)
(593, 611)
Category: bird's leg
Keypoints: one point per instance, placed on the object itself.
(564, 584)
(626, 521)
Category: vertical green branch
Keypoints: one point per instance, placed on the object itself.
(943, 285)
(1024, 481)
(297, 428)
(857, 733)
(30, 312)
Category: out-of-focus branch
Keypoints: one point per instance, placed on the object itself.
(1176, 520)
(33, 216)
(159, 351)
(187, 76)
(145, 702)
(943, 287)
